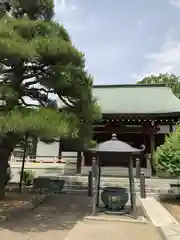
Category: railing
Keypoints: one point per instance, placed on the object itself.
(41, 159)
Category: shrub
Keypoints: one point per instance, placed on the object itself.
(167, 156)
(28, 176)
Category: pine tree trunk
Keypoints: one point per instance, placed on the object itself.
(5, 151)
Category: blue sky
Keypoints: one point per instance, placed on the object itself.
(124, 40)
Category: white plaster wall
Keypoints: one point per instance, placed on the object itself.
(165, 129)
(69, 157)
(174, 128)
(47, 152)
(39, 169)
(50, 151)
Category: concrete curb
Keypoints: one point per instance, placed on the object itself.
(158, 215)
(115, 219)
(143, 209)
(167, 230)
(162, 234)
(171, 232)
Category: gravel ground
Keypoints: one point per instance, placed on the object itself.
(54, 218)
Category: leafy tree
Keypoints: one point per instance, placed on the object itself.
(170, 80)
(45, 89)
(167, 156)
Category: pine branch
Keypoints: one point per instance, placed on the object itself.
(41, 89)
(35, 98)
(34, 65)
(27, 104)
(27, 84)
(28, 76)
(65, 101)
(6, 70)
(73, 102)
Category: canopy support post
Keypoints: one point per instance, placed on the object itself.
(99, 180)
(132, 187)
(78, 163)
(95, 187)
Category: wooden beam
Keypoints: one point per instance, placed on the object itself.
(121, 130)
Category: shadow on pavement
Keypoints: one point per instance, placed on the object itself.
(56, 213)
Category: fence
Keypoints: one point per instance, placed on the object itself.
(42, 159)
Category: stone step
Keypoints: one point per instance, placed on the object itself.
(76, 182)
(148, 190)
(105, 171)
(106, 184)
(115, 171)
(149, 181)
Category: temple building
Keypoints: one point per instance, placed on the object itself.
(138, 114)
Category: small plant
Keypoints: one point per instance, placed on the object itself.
(28, 176)
(8, 176)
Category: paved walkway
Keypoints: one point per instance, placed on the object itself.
(101, 230)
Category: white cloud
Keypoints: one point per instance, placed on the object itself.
(166, 60)
(64, 7)
(141, 23)
(175, 3)
(69, 14)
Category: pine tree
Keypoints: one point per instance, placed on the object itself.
(45, 90)
(167, 156)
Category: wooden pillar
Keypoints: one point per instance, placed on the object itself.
(95, 187)
(145, 144)
(78, 163)
(60, 151)
(152, 148)
(170, 128)
(151, 138)
(152, 143)
(130, 185)
(99, 180)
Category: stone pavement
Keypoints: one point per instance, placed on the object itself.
(102, 230)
